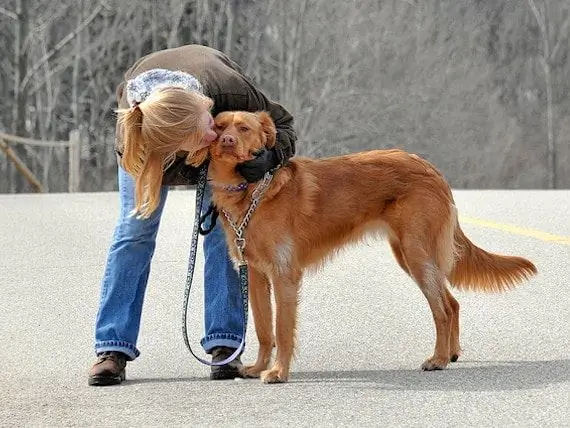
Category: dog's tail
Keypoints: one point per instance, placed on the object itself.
(478, 270)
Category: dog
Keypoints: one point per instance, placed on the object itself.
(312, 208)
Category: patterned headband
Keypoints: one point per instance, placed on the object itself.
(139, 88)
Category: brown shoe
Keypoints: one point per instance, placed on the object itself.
(109, 369)
(227, 371)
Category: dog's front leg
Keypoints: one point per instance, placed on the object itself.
(286, 288)
(260, 298)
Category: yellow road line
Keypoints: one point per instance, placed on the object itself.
(517, 230)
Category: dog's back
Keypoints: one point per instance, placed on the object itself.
(350, 196)
(385, 175)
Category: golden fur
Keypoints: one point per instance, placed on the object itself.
(314, 207)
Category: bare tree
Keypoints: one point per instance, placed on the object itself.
(453, 81)
(551, 44)
(22, 24)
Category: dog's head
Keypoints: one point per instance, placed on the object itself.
(240, 135)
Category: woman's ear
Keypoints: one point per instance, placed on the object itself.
(268, 128)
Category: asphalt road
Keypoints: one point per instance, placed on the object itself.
(364, 329)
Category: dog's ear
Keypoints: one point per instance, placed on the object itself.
(268, 128)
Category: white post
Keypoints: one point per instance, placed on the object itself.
(74, 160)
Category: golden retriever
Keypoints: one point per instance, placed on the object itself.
(314, 207)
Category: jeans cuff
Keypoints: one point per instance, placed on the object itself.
(126, 348)
(220, 339)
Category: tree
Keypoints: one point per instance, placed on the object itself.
(552, 41)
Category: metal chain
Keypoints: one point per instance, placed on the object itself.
(256, 196)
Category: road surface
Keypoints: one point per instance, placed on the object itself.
(364, 329)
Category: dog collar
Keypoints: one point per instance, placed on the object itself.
(231, 187)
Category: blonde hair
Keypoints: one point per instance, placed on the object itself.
(152, 134)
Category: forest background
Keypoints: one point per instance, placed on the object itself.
(478, 87)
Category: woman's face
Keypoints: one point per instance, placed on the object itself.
(207, 127)
(209, 133)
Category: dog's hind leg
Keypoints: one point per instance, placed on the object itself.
(455, 348)
(445, 259)
(431, 281)
(397, 251)
(260, 298)
(286, 288)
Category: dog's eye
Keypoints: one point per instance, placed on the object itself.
(243, 128)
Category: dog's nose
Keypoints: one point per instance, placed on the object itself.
(227, 140)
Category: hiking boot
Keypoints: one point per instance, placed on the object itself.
(227, 371)
(109, 369)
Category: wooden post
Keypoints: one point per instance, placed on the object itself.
(74, 160)
(21, 167)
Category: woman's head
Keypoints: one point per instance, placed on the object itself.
(167, 121)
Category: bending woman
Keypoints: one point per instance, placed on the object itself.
(166, 103)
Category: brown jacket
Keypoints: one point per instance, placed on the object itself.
(224, 82)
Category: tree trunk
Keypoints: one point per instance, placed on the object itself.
(543, 23)
(230, 19)
(20, 92)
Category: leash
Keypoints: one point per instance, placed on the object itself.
(239, 241)
(190, 274)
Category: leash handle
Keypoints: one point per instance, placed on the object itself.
(202, 178)
(213, 213)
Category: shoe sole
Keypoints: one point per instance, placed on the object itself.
(225, 375)
(106, 380)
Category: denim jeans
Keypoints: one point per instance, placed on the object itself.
(126, 275)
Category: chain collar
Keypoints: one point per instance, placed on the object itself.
(239, 230)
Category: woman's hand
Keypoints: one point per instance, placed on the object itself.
(253, 170)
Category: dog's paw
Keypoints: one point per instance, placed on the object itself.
(251, 371)
(455, 354)
(434, 363)
(273, 376)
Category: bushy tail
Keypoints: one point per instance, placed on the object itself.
(478, 270)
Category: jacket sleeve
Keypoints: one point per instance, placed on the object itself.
(286, 135)
(250, 98)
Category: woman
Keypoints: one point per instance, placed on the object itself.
(166, 102)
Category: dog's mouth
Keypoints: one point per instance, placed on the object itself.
(230, 151)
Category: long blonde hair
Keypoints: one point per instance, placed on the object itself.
(152, 134)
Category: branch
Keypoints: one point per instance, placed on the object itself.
(173, 34)
(54, 70)
(31, 142)
(61, 44)
(21, 167)
(539, 18)
(258, 33)
(8, 13)
(559, 42)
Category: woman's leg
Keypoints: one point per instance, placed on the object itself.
(223, 313)
(126, 274)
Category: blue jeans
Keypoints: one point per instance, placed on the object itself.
(126, 275)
